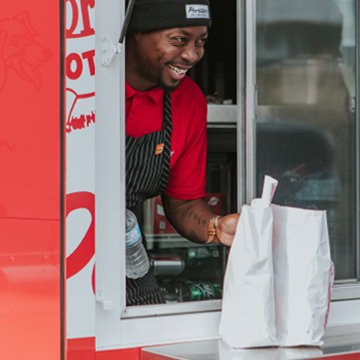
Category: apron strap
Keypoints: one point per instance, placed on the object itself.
(167, 127)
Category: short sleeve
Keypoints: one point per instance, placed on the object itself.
(187, 177)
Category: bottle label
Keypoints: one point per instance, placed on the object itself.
(204, 291)
(133, 235)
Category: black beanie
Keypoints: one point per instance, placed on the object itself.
(154, 15)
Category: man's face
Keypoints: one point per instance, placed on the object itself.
(163, 57)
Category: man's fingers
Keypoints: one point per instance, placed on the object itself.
(226, 228)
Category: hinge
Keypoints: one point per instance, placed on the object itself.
(108, 50)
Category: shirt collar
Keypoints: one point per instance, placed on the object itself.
(156, 93)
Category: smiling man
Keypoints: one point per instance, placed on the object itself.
(166, 125)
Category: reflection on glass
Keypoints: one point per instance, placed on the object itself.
(305, 69)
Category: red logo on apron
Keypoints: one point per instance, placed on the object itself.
(159, 149)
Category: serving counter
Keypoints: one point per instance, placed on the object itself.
(342, 342)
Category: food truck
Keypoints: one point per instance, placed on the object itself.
(282, 86)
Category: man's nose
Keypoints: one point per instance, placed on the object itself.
(191, 53)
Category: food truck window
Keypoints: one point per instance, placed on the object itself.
(179, 264)
(301, 57)
(307, 120)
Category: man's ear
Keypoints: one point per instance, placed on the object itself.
(136, 36)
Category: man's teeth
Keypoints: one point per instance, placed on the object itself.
(177, 71)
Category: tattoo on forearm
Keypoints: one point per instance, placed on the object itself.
(184, 213)
(194, 237)
(190, 213)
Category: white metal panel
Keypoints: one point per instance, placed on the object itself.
(203, 326)
(172, 309)
(80, 168)
(169, 329)
(344, 313)
(110, 179)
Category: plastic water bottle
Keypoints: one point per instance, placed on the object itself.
(137, 261)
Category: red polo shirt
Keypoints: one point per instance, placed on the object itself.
(144, 114)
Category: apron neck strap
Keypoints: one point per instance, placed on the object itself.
(167, 109)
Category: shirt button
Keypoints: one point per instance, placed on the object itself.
(131, 116)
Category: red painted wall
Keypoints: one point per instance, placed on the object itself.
(84, 349)
(30, 180)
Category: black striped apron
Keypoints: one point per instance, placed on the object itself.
(147, 173)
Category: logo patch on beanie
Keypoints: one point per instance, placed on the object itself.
(197, 12)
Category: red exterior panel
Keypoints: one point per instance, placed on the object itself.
(81, 349)
(30, 180)
(84, 349)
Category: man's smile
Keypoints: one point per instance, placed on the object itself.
(177, 70)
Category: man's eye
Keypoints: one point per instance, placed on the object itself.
(182, 39)
(203, 41)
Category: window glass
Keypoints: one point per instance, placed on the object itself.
(306, 120)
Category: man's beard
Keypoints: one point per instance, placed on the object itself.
(161, 84)
(158, 78)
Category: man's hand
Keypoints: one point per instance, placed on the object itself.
(226, 228)
(191, 219)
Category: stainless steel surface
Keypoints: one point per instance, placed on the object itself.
(338, 340)
(222, 114)
(167, 265)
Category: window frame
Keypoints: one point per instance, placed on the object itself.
(118, 326)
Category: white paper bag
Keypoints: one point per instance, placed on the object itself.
(248, 310)
(279, 275)
(303, 274)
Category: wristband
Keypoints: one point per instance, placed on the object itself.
(212, 237)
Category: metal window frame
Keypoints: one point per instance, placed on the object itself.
(120, 326)
(357, 111)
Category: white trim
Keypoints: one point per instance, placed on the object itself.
(172, 309)
(164, 330)
(110, 180)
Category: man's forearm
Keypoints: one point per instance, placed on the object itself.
(189, 218)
